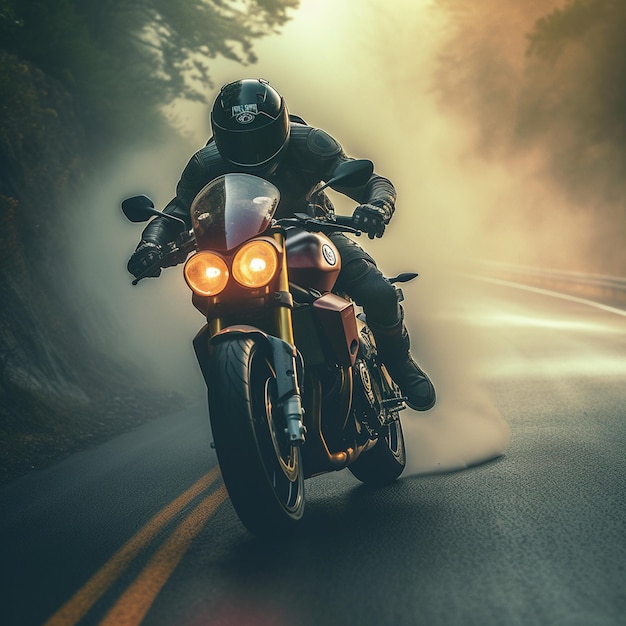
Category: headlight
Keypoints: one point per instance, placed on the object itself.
(255, 264)
(206, 273)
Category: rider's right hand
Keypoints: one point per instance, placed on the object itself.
(146, 254)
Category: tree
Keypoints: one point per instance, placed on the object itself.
(77, 77)
(544, 81)
(583, 48)
(120, 56)
(535, 76)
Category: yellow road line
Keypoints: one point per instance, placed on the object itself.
(77, 606)
(135, 602)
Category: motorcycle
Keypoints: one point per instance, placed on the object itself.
(295, 386)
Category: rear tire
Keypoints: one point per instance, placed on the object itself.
(383, 463)
(262, 471)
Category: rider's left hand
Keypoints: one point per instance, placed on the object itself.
(371, 219)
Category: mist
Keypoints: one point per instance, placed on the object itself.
(153, 322)
(432, 93)
(542, 85)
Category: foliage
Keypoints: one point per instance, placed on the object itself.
(79, 79)
(123, 60)
(543, 84)
(582, 46)
(567, 25)
(547, 78)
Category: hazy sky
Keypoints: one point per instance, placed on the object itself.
(364, 71)
(361, 70)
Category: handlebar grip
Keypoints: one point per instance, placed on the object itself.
(148, 272)
(344, 220)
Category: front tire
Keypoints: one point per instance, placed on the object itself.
(262, 471)
(383, 463)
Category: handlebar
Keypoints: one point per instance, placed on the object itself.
(179, 250)
(345, 220)
(177, 253)
(341, 223)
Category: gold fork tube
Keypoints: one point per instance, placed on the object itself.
(215, 325)
(284, 321)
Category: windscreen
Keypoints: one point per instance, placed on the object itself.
(232, 209)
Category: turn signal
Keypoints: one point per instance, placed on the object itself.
(206, 273)
(255, 264)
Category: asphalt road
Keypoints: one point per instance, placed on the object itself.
(140, 530)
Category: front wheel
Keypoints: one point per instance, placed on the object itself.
(383, 463)
(262, 471)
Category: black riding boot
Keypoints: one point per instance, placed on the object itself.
(394, 349)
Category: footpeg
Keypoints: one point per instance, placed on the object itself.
(395, 404)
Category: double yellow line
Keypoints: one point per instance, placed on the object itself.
(135, 602)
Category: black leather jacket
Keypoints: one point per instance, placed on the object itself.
(310, 157)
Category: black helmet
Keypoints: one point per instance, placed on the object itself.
(250, 124)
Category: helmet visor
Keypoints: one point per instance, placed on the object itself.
(252, 147)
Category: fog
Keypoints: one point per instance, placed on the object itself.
(370, 73)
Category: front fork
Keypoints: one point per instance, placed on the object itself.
(284, 353)
(289, 397)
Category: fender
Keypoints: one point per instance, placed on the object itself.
(287, 364)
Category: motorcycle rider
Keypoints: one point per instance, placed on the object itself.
(254, 133)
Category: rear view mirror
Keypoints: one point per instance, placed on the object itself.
(139, 209)
(353, 173)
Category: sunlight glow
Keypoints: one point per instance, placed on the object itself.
(587, 366)
(528, 321)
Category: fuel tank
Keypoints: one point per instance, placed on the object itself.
(313, 260)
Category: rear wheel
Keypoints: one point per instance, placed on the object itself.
(383, 463)
(262, 471)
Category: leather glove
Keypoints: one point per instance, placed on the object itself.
(143, 257)
(371, 218)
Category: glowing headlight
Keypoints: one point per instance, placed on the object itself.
(206, 273)
(255, 264)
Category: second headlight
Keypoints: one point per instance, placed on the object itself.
(255, 264)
